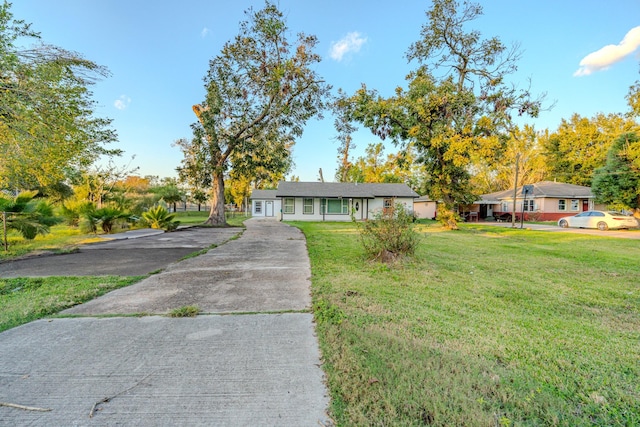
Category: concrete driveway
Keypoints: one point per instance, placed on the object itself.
(258, 366)
(133, 253)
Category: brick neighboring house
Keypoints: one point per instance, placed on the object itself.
(549, 201)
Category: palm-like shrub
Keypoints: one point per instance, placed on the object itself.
(74, 210)
(26, 215)
(160, 218)
(104, 218)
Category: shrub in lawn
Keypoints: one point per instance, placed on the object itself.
(390, 235)
(160, 218)
(448, 218)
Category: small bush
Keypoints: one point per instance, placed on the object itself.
(448, 218)
(390, 235)
(159, 217)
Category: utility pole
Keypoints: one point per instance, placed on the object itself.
(515, 193)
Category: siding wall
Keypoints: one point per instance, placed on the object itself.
(366, 208)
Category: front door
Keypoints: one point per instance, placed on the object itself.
(585, 205)
(268, 208)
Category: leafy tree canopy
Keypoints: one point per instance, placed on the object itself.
(580, 145)
(457, 102)
(47, 126)
(618, 182)
(261, 90)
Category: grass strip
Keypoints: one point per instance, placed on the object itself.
(23, 300)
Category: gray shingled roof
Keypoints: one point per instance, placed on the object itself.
(263, 194)
(541, 189)
(343, 189)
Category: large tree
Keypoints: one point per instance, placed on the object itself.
(523, 149)
(261, 90)
(457, 102)
(47, 122)
(618, 181)
(579, 146)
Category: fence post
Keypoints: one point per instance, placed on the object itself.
(4, 231)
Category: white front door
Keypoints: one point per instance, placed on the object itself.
(268, 208)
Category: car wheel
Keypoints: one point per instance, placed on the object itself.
(602, 226)
(563, 223)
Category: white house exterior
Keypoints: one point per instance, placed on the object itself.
(264, 203)
(336, 201)
(424, 207)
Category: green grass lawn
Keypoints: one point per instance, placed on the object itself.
(25, 299)
(487, 326)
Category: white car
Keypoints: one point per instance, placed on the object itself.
(599, 219)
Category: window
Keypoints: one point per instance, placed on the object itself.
(307, 206)
(258, 207)
(562, 205)
(289, 205)
(387, 203)
(575, 205)
(529, 206)
(336, 206)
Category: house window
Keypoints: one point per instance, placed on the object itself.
(387, 203)
(258, 208)
(529, 206)
(289, 205)
(505, 207)
(307, 206)
(336, 206)
(562, 205)
(575, 205)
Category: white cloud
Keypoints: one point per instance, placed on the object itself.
(205, 32)
(122, 102)
(601, 59)
(351, 43)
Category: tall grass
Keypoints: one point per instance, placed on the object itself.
(484, 327)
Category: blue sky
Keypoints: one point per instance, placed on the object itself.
(584, 54)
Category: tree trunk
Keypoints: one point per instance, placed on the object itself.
(216, 214)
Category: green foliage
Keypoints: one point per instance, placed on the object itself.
(28, 216)
(24, 299)
(159, 217)
(454, 118)
(73, 210)
(448, 218)
(618, 182)
(104, 218)
(169, 193)
(46, 110)
(390, 236)
(261, 90)
(580, 146)
(184, 311)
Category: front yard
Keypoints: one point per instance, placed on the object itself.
(488, 326)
